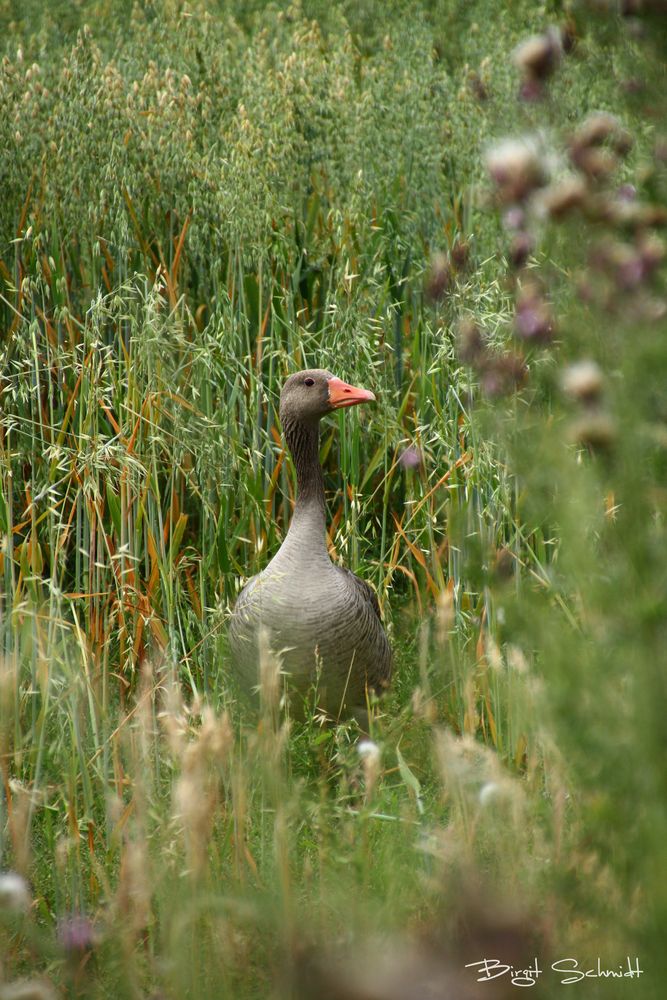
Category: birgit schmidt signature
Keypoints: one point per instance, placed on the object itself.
(569, 969)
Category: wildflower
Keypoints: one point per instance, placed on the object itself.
(583, 381)
(516, 168)
(76, 935)
(15, 894)
(411, 458)
(533, 320)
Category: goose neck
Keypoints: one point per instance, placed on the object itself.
(303, 441)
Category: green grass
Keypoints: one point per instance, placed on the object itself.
(196, 203)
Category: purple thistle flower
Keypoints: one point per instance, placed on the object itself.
(627, 192)
(533, 319)
(76, 935)
(411, 458)
(514, 218)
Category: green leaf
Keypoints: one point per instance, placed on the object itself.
(221, 542)
(410, 779)
(114, 510)
(4, 514)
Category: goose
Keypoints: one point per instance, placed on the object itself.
(321, 621)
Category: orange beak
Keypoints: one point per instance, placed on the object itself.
(341, 394)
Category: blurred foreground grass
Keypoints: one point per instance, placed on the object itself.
(194, 206)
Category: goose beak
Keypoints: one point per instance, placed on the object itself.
(341, 394)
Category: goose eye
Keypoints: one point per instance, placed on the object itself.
(309, 381)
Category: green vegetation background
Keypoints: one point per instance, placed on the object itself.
(196, 200)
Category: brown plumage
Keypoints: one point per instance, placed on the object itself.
(321, 620)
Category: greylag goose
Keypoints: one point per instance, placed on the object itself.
(322, 622)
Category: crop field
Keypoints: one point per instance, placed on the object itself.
(460, 206)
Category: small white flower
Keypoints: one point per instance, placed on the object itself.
(368, 750)
(488, 792)
(14, 893)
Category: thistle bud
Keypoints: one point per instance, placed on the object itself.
(596, 431)
(583, 381)
(595, 129)
(471, 346)
(516, 168)
(521, 247)
(439, 277)
(460, 254)
(560, 199)
(597, 164)
(503, 374)
(538, 56)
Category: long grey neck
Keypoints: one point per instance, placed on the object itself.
(308, 525)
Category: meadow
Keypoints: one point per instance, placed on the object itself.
(461, 207)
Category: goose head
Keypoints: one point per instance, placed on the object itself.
(309, 395)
